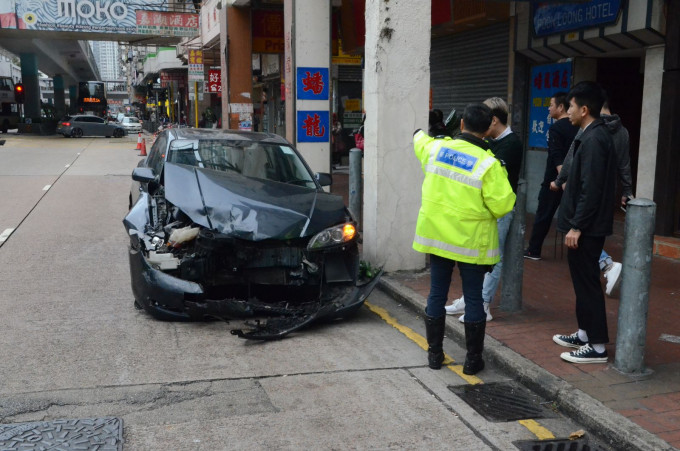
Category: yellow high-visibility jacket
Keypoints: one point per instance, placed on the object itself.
(465, 190)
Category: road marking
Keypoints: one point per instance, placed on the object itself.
(5, 234)
(421, 341)
(67, 165)
(669, 338)
(46, 187)
(538, 430)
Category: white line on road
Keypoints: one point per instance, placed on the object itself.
(46, 187)
(5, 234)
(67, 165)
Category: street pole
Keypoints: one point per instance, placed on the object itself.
(638, 246)
(196, 102)
(355, 182)
(513, 255)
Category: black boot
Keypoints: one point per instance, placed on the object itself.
(434, 331)
(474, 342)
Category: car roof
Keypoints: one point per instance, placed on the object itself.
(235, 135)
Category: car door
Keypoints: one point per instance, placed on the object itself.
(99, 127)
(155, 161)
(81, 123)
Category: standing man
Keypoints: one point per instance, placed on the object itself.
(586, 216)
(464, 192)
(508, 149)
(560, 136)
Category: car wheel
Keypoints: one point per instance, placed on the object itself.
(77, 133)
(5, 126)
(118, 133)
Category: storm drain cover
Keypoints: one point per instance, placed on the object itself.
(503, 401)
(91, 434)
(566, 444)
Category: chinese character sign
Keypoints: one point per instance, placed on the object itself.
(545, 81)
(196, 65)
(312, 83)
(214, 80)
(313, 126)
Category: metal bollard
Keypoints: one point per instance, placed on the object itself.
(638, 247)
(513, 255)
(355, 184)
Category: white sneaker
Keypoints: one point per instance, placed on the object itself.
(487, 310)
(613, 276)
(457, 307)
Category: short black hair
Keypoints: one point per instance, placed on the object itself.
(477, 118)
(589, 94)
(561, 99)
(436, 116)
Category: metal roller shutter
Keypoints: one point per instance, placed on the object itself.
(469, 67)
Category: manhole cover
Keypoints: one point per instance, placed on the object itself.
(565, 444)
(503, 401)
(91, 434)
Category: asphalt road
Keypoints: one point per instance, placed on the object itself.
(73, 346)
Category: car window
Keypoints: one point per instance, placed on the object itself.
(155, 159)
(251, 159)
(98, 120)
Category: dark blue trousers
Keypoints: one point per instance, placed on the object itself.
(472, 276)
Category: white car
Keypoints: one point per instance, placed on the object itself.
(131, 124)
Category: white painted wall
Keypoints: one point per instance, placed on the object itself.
(649, 125)
(312, 41)
(397, 82)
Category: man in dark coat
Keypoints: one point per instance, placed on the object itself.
(586, 216)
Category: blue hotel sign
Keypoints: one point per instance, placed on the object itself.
(552, 18)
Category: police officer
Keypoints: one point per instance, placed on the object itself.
(465, 190)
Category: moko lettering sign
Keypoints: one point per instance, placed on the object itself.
(111, 16)
(553, 18)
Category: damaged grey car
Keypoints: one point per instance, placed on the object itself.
(233, 225)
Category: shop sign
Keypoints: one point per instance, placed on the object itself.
(351, 120)
(214, 80)
(96, 16)
(267, 31)
(545, 81)
(345, 58)
(552, 18)
(196, 72)
(312, 83)
(353, 105)
(313, 126)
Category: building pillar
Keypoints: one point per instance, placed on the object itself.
(29, 78)
(237, 72)
(307, 25)
(72, 98)
(396, 91)
(649, 124)
(59, 100)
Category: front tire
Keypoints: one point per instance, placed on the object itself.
(118, 133)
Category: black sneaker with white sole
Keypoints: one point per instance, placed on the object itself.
(585, 354)
(569, 341)
(531, 255)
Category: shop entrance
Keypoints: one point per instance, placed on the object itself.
(623, 79)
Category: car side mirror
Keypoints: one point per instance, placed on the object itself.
(324, 178)
(143, 175)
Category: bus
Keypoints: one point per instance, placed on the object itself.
(9, 109)
(91, 98)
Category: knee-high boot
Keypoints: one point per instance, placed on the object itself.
(434, 331)
(474, 342)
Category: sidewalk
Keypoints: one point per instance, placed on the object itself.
(632, 414)
(547, 309)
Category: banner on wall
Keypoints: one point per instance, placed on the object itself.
(545, 81)
(313, 126)
(312, 83)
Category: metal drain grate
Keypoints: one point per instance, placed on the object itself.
(581, 444)
(92, 434)
(503, 401)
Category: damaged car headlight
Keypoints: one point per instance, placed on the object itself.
(333, 236)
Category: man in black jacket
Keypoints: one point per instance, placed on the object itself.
(586, 216)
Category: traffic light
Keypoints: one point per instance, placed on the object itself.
(19, 93)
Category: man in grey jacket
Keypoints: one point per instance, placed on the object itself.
(610, 268)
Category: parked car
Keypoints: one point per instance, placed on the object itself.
(131, 124)
(232, 225)
(88, 125)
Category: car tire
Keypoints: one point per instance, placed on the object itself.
(5, 126)
(77, 133)
(118, 133)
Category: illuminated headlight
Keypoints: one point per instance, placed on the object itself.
(333, 236)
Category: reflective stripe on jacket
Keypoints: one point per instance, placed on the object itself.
(465, 190)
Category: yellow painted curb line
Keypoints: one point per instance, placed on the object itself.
(538, 430)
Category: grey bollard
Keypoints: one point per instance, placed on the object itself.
(513, 255)
(355, 182)
(638, 246)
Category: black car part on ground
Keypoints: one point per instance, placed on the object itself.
(211, 244)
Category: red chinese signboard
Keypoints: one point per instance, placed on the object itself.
(214, 80)
(268, 31)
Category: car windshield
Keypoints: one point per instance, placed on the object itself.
(267, 161)
(132, 120)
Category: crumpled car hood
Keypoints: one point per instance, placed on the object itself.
(248, 208)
